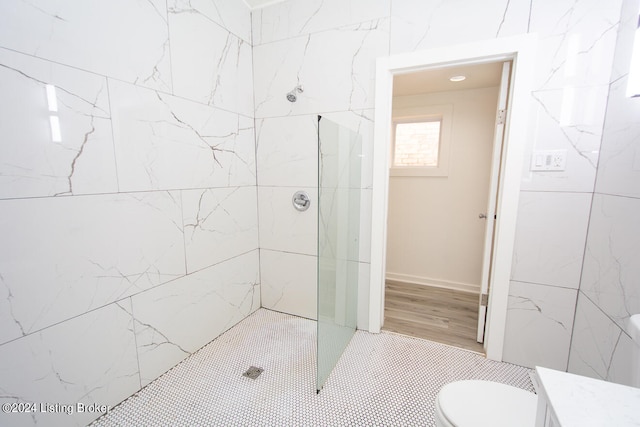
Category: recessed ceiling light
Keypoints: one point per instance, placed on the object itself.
(457, 78)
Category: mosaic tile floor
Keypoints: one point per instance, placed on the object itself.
(381, 379)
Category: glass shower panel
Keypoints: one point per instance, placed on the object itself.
(339, 173)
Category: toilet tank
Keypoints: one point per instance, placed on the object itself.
(634, 328)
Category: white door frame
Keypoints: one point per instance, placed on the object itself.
(519, 49)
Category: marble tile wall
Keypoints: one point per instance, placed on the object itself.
(599, 347)
(609, 292)
(130, 185)
(576, 41)
(544, 314)
(422, 25)
(330, 48)
(128, 199)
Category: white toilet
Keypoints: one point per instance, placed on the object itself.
(485, 403)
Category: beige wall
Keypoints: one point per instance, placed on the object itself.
(434, 233)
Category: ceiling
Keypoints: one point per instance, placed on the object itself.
(437, 80)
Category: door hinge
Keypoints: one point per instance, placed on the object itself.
(502, 115)
(484, 300)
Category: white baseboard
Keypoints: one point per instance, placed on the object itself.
(426, 281)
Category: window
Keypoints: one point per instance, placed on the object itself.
(417, 144)
(422, 140)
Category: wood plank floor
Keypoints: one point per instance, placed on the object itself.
(437, 314)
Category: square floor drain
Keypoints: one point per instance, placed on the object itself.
(253, 372)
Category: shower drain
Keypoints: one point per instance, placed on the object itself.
(253, 372)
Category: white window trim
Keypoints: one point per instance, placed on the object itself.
(418, 113)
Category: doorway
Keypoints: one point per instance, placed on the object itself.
(439, 212)
(520, 50)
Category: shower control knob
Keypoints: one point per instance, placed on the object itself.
(301, 201)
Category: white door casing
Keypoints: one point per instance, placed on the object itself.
(521, 51)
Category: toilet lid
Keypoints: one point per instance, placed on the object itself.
(486, 403)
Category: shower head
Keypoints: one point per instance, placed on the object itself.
(291, 96)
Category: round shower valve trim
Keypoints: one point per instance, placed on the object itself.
(301, 201)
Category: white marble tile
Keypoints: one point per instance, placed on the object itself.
(286, 157)
(569, 119)
(337, 293)
(621, 368)
(550, 238)
(282, 227)
(619, 166)
(333, 79)
(361, 123)
(340, 156)
(340, 225)
(293, 18)
(599, 348)
(422, 25)
(289, 283)
(89, 359)
(219, 223)
(611, 269)
(364, 252)
(37, 159)
(624, 40)
(209, 65)
(576, 41)
(287, 151)
(176, 319)
(64, 256)
(539, 325)
(121, 39)
(340, 210)
(233, 15)
(165, 142)
(363, 296)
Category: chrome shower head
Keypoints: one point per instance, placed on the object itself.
(291, 96)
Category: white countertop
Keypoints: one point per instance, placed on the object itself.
(581, 401)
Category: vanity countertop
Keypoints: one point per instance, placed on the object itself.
(575, 400)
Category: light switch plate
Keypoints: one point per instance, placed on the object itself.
(549, 160)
